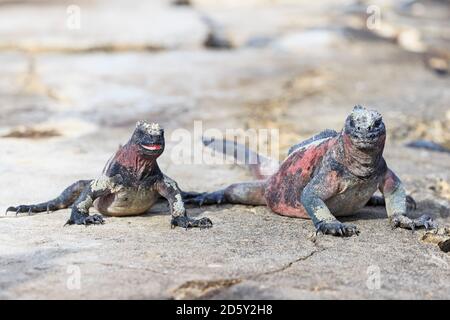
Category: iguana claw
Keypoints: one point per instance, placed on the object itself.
(86, 220)
(21, 209)
(186, 222)
(336, 228)
(402, 221)
(426, 221)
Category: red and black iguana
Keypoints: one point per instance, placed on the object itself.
(327, 176)
(131, 183)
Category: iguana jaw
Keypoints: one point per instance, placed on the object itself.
(151, 149)
(367, 144)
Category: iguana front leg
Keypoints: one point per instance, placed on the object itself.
(396, 204)
(314, 195)
(376, 201)
(80, 208)
(168, 189)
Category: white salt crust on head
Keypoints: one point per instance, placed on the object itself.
(150, 128)
(365, 117)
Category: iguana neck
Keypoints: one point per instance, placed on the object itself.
(361, 163)
(130, 157)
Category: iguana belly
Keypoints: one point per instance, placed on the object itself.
(352, 199)
(127, 201)
(346, 202)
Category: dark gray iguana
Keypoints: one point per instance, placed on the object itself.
(329, 175)
(131, 183)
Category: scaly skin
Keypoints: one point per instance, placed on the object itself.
(131, 183)
(330, 175)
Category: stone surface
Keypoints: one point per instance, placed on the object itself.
(295, 82)
(99, 25)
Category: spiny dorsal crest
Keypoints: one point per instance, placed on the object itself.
(151, 128)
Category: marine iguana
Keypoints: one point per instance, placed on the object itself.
(327, 176)
(131, 183)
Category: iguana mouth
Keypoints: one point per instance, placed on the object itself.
(151, 147)
(366, 143)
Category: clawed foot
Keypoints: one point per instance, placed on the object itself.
(336, 228)
(186, 222)
(86, 219)
(402, 221)
(216, 197)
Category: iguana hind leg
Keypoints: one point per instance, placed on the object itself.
(64, 200)
(249, 193)
(396, 205)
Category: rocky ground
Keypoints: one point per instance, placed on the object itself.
(71, 96)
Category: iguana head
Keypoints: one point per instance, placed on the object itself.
(365, 129)
(149, 137)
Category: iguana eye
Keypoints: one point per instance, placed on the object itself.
(352, 123)
(377, 123)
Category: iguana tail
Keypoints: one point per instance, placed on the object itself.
(261, 167)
